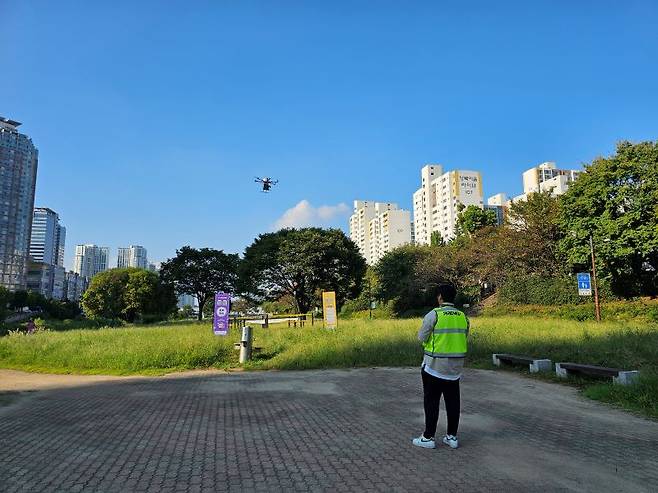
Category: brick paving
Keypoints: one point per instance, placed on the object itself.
(331, 430)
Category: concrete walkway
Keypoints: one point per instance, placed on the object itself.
(333, 430)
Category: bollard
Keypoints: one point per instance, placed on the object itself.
(245, 344)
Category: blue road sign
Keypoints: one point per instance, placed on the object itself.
(584, 284)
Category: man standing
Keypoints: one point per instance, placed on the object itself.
(443, 334)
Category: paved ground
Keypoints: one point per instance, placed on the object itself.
(316, 430)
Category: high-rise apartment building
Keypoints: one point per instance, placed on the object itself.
(389, 229)
(498, 199)
(46, 279)
(132, 256)
(74, 286)
(90, 260)
(499, 205)
(48, 237)
(378, 228)
(546, 177)
(46, 273)
(364, 212)
(18, 175)
(438, 200)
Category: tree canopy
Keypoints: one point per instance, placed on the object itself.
(300, 263)
(128, 294)
(616, 201)
(201, 272)
(473, 218)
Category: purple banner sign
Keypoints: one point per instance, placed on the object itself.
(220, 319)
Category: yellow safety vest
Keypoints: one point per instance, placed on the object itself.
(448, 339)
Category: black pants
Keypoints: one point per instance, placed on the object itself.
(433, 388)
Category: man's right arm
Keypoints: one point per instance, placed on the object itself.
(428, 326)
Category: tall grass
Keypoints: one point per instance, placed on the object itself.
(118, 351)
(356, 343)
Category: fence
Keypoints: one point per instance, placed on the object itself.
(265, 320)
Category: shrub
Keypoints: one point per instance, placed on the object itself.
(539, 290)
(128, 294)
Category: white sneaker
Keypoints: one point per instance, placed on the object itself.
(451, 440)
(421, 441)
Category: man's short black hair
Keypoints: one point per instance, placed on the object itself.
(447, 291)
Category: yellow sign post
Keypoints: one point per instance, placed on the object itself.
(329, 309)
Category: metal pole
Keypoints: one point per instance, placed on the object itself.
(245, 344)
(597, 305)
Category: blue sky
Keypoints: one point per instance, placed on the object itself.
(152, 118)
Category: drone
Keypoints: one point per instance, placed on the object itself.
(267, 182)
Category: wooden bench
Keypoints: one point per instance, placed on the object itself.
(622, 377)
(534, 365)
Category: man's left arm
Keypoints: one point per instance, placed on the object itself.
(429, 321)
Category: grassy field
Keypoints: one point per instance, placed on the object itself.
(156, 350)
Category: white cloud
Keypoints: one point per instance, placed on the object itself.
(304, 214)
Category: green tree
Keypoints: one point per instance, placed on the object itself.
(436, 239)
(616, 201)
(63, 309)
(5, 299)
(186, 312)
(535, 237)
(473, 218)
(37, 301)
(202, 273)
(18, 300)
(397, 272)
(301, 263)
(128, 294)
(369, 293)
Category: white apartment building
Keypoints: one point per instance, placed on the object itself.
(364, 212)
(437, 201)
(132, 256)
(500, 199)
(90, 260)
(46, 273)
(378, 228)
(546, 177)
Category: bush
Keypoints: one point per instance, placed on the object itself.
(643, 310)
(128, 294)
(539, 290)
(356, 305)
(384, 310)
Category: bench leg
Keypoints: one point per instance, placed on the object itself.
(626, 377)
(495, 359)
(541, 365)
(561, 372)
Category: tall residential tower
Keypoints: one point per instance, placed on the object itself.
(438, 200)
(46, 274)
(48, 237)
(90, 260)
(378, 228)
(132, 256)
(18, 175)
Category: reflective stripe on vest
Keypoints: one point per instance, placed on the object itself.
(448, 339)
(444, 355)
